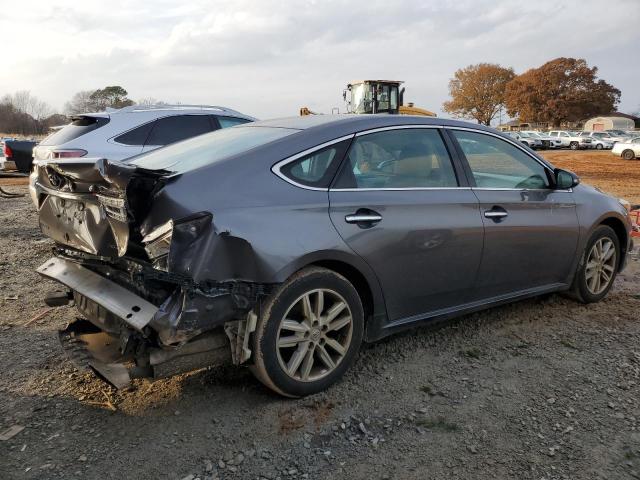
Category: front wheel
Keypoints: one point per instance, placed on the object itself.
(628, 155)
(599, 146)
(309, 333)
(598, 267)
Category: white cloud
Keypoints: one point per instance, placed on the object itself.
(268, 57)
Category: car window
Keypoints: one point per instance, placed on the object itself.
(226, 122)
(496, 163)
(178, 127)
(137, 136)
(208, 149)
(403, 158)
(80, 125)
(318, 168)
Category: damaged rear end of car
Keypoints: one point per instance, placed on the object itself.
(146, 309)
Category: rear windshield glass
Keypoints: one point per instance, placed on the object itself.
(209, 148)
(78, 127)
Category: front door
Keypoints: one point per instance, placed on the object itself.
(398, 204)
(531, 230)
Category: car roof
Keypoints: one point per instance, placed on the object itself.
(170, 109)
(352, 122)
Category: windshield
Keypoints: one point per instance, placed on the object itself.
(361, 98)
(209, 148)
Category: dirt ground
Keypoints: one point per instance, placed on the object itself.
(541, 389)
(602, 169)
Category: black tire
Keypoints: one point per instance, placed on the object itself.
(579, 288)
(599, 146)
(628, 154)
(574, 146)
(268, 362)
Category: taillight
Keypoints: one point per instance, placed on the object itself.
(8, 153)
(71, 153)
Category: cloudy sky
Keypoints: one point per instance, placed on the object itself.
(267, 58)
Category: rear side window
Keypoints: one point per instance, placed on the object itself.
(179, 127)
(318, 168)
(79, 126)
(403, 158)
(226, 122)
(137, 136)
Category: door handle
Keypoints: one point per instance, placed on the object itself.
(364, 218)
(355, 218)
(496, 214)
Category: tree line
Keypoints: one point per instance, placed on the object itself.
(22, 113)
(561, 90)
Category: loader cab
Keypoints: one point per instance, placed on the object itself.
(373, 96)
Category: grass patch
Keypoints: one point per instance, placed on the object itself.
(438, 423)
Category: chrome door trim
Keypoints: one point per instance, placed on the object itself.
(276, 167)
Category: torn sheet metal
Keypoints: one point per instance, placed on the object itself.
(131, 308)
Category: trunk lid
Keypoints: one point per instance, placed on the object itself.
(92, 205)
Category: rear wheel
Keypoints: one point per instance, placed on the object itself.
(309, 333)
(628, 154)
(599, 146)
(598, 267)
(574, 145)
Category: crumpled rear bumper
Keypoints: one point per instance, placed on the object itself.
(126, 305)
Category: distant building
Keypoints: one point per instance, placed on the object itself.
(613, 121)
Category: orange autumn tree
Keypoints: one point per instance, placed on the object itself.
(564, 89)
(477, 92)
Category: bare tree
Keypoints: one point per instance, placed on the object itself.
(150, 101)
(81, 102)
(23, 101)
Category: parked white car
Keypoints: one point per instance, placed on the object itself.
(547, 141)
(628, 150)
(599, 142)
(528, 140)
(129, 131)
(571, 139)
(610, 135)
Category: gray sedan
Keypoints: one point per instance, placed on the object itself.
(284, 244)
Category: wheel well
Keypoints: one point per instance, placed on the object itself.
(356, 278)
(621, 232)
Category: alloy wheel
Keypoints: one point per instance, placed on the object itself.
(314, 335)
(601, 265)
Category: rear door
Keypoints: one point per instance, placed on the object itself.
(531, 230)
(402, 205)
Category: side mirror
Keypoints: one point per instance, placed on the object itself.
(565, 179)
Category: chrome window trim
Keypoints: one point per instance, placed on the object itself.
(396, 127)
(486, 189)
(399, 189)
(276, 167)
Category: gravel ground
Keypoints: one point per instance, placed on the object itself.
(541, 389)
